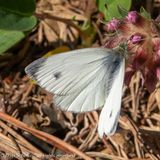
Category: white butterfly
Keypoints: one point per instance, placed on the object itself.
(85, 80)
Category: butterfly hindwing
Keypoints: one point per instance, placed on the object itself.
(111, 110)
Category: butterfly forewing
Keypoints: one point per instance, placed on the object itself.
(80, 79)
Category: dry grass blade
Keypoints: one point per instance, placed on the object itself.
(8, 146)
(23, 141)
(59, 19)
(44, 136)
(105, 156)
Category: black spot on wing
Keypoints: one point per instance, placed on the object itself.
(57, 75)
(110, 114)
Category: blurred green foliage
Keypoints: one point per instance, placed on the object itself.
(89, 33)
(15, 22)
(9, 38)
(144, 13)
(113, 8)
(21, 7)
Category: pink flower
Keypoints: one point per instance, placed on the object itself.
(158, 73)
(142, 37)
(113, 25)
(136, 39)
(132, 17)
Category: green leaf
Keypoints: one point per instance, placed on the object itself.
(122, 11)
(144, 13)
(101, 5)
(110, 8)
(22, 7)
(10, 21)
(89, 33)
(9, 38)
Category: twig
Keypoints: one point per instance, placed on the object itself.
(20, 138)
(18, 147)
(44, 136)
(104, 155)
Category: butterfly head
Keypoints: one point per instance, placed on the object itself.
(122, 49)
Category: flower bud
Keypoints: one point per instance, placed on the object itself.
(136, 39)
(142, 37)
(132, 17)
(113, 25)
(158, 72)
